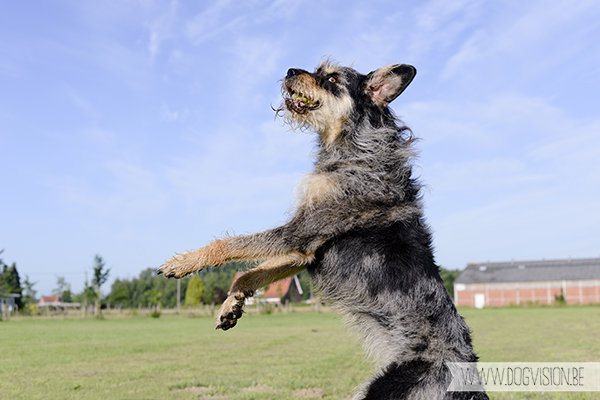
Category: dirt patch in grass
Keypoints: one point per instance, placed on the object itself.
(193, 389)
(203, 391)
(258, 388)
(312, 393)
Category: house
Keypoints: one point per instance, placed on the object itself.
(7, 303)
(55, 301)
(517, 282)
(283, 291)
(46, 301)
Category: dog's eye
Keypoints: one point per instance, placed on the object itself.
(332, 80)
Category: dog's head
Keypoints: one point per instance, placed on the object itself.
(332, 97)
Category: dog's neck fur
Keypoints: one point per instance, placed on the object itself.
(355, 126)
(374, 144)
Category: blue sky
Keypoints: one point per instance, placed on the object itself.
(138, 129)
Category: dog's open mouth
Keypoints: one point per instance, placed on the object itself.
(300, 103)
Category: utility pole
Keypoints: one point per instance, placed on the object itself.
(178, 296)
(84, 303)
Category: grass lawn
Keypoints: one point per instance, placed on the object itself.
(537, 334)
(278, 356)
(265, 357)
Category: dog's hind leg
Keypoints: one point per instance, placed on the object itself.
(266, 273)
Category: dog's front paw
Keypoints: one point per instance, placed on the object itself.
(176, 267)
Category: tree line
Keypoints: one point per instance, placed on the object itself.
(10, 283)
(26, 301)
(209, 286)
(206, 287)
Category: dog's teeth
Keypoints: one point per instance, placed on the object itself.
(302, 99)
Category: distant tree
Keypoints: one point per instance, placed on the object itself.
(134, 292)
(87, 296)
(99, 278)
(305, 284)
(120, 293)
(29, 293)
(63, 289)
(219, 295)
(194, 292)
(10, 281)
(449, 276)
(221, 277)
(154, 298)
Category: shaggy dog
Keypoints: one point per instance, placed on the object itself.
(358, 229)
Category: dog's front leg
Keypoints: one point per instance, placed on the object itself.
(289, 239)
(265, 274)
(220, 251)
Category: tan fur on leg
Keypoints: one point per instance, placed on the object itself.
(215, 254)
(265, 274)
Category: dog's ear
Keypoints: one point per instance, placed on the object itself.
(385, 84)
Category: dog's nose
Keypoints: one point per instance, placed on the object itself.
(292, 72)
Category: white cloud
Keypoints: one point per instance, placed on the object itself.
(166, 114)
(161, 27)
(439, 24)
(513, 177)
(213, 21)
(255, 71)
(278, 10)
(477, 176)
(250, 172)
(531, 223)
(101, 137)
(239, 178)
(505, 107)
(130, 191)
(497, 121)
(257, 55)
(577, 144)
(9, 69)
(523, 42)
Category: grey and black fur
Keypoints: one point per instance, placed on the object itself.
(358, 229)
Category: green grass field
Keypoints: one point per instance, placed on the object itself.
(277, 356)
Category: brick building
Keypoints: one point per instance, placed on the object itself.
(505, 283)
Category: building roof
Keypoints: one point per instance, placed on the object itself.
(49, 299)
(531, 271)
(54, 301)
(280, 288)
